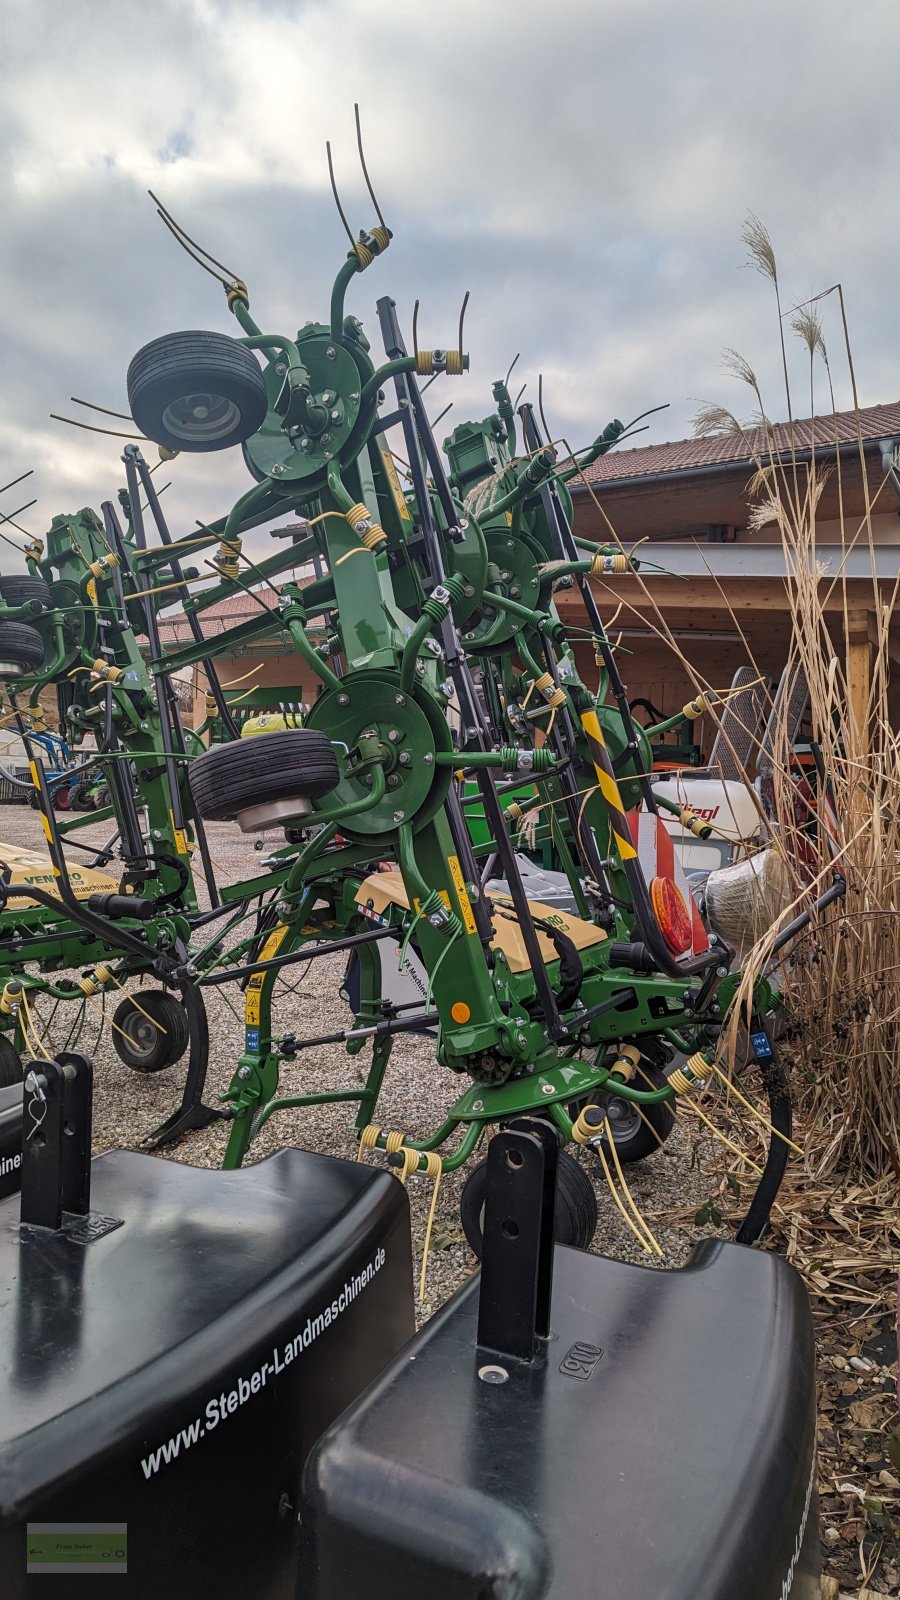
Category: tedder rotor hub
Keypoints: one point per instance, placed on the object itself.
(297, 447)
(410, 730)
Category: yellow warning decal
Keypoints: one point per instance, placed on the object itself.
(179, 837)
(91, 590)
(394, 482)
(254, 984)
(465, 904)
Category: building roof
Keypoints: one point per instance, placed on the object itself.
(744, 449)
(227, 613)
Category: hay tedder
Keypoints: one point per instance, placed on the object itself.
(452, 733)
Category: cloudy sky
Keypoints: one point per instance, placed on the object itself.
(583, 168)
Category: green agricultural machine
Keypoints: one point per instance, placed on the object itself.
(212, 1384)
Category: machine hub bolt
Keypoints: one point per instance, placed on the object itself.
(335, 416)
(343, 699)
(546, 1088)
(245, 1073)
(395, 735)
(399, 815)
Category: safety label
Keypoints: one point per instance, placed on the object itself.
(82, 1547)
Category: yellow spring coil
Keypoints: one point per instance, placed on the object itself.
(454, 367)
(583, 1132)
(88, 986)
(627, 1062)
(38, 719)
(363, 254)
(211, 707)
(554, 696)
(697, 1066)
(424, 363)
(370, 533)
(602, 565)
(514, 812)
(381, 236)
(103, 564)
(368, 1139)
(35, 549)
(236, 291)
(226, 559)
(105, 671)
(694, 824)
(695, 708)
(11, 997)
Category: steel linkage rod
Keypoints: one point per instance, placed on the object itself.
(416, 430)
(171, 730)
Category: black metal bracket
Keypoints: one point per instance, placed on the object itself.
(56, 1140)
(517, 1256)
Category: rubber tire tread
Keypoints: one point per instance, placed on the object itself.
(576, 1205)
(195, 360)
(18, 589)
(274, 766)
(21, 644)
(11, 1070)
(170, 1046)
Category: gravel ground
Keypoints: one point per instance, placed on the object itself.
(417, 1091)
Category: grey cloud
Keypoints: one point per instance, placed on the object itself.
(583, 169)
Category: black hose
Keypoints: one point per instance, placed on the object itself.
(775, 1079)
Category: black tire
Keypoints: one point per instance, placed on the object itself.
(196, 391)
(141, 1045)
(248, 772)
(20, 646)
(634, 1140)
(17, 591)
(10, 1063)
(576, 1205)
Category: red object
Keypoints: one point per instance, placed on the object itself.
(62, 798)
(672, 915)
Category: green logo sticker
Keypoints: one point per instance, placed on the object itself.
(77, 1547)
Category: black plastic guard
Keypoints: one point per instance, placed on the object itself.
(662, 1449)
(10, 1140)
(169, 1368)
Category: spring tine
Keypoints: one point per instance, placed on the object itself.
(337, 198)
(362, 162)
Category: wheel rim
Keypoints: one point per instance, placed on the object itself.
(624, 1120)
(201, 417)
(142, 1034)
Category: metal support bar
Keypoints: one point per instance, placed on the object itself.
(56, 1140)
(517, 1259)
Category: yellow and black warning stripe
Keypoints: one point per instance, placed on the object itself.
(606, 781)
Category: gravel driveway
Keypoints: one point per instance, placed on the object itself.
(417, 1091)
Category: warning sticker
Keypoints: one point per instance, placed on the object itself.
(465, 904)
(394, 481)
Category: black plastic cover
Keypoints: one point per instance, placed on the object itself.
(662, 1449)
(171, 1373)
(10, 1139)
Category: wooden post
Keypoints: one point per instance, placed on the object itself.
(859, 675)
(198, 699)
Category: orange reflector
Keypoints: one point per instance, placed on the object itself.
(459, 1011)
(672, 915)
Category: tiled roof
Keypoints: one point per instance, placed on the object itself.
(686, 455)
(235, 608)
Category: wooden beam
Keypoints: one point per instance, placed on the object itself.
(859, 675)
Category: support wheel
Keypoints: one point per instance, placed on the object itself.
(17, 590)
(196, 391)
(264, 782)
(634, 1139)
(21, 649)
(576, 1205)
(150, 1043)
(10, 1063)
